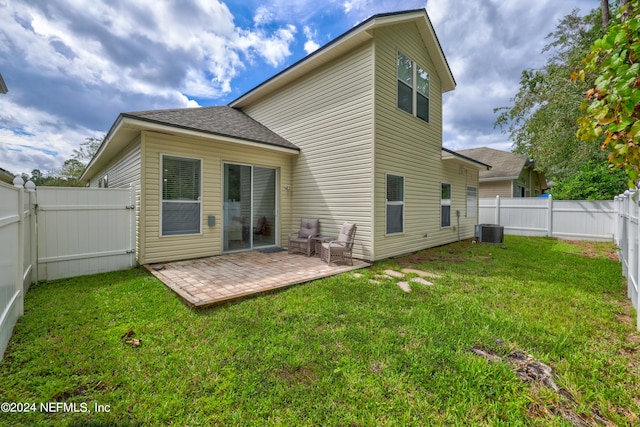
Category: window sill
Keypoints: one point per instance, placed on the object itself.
(412, 115)
(166, 236)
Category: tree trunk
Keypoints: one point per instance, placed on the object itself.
(604, 7)
(627, 9)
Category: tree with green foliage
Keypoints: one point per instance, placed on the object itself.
(542, 120)
(69, 174)
(87, 150)
(593, 181)
(612, 105)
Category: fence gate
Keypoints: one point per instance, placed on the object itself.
(84, 231)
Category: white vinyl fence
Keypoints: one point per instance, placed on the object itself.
(85, 231)
(79, 231)
(17, 255)
(603, 220)
(593, 220)
(627, 237)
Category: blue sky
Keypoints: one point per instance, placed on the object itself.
(71, 66)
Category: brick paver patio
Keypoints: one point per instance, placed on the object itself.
(209, 281)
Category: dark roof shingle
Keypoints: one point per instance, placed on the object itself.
(503, 163)
(217, 120)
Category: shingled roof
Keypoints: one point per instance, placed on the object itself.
(504, 164)
(218, 120)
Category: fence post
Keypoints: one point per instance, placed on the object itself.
(628, 243)
(616, 233)
(497, 212)
(550, 215)
(132, 229)
(18, 182)
(635, 292)
(33, 206)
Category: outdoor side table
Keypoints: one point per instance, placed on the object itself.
(319, 240)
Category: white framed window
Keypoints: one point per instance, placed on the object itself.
(472, 202)
(181, 196)
(413, 88)
(105, 181)
(445, 205)
(395, 204)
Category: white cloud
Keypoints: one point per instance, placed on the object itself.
(202, 32)
(263, 16)
(310, 45)
(95, 58)
(33, 139)
(273, 49)
(354, 5)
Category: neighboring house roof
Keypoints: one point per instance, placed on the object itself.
(504, 165)
(450, 155)
(6, 176)
(3, 86)
(346, 42)
(220, 120)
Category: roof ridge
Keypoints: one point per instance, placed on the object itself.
(200, 107)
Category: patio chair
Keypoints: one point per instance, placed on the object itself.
(342, 247)
(261, 227)
(302, 242)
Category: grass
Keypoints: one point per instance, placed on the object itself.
(339, 351)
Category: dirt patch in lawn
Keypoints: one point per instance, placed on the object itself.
(596, 249)
(631, 347)
(528, 369)
(298, 375)
(422, 257)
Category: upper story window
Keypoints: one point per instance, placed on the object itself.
(413, 88)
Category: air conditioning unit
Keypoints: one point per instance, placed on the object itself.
(489, 233)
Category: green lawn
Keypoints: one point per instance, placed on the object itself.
(339, 351)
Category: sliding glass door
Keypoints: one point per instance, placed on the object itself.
(249, 207)
(264, 207)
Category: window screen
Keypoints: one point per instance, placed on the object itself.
(445, 205)
(180, 196)
(395, 204)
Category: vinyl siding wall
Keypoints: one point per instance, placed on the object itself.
(123, 172)
(495, 188)
(510, 188)
(409, 147)
(328, 114)
(531, 180)
(157, 248)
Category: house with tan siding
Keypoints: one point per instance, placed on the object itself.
(511, 174)
(352, 132)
